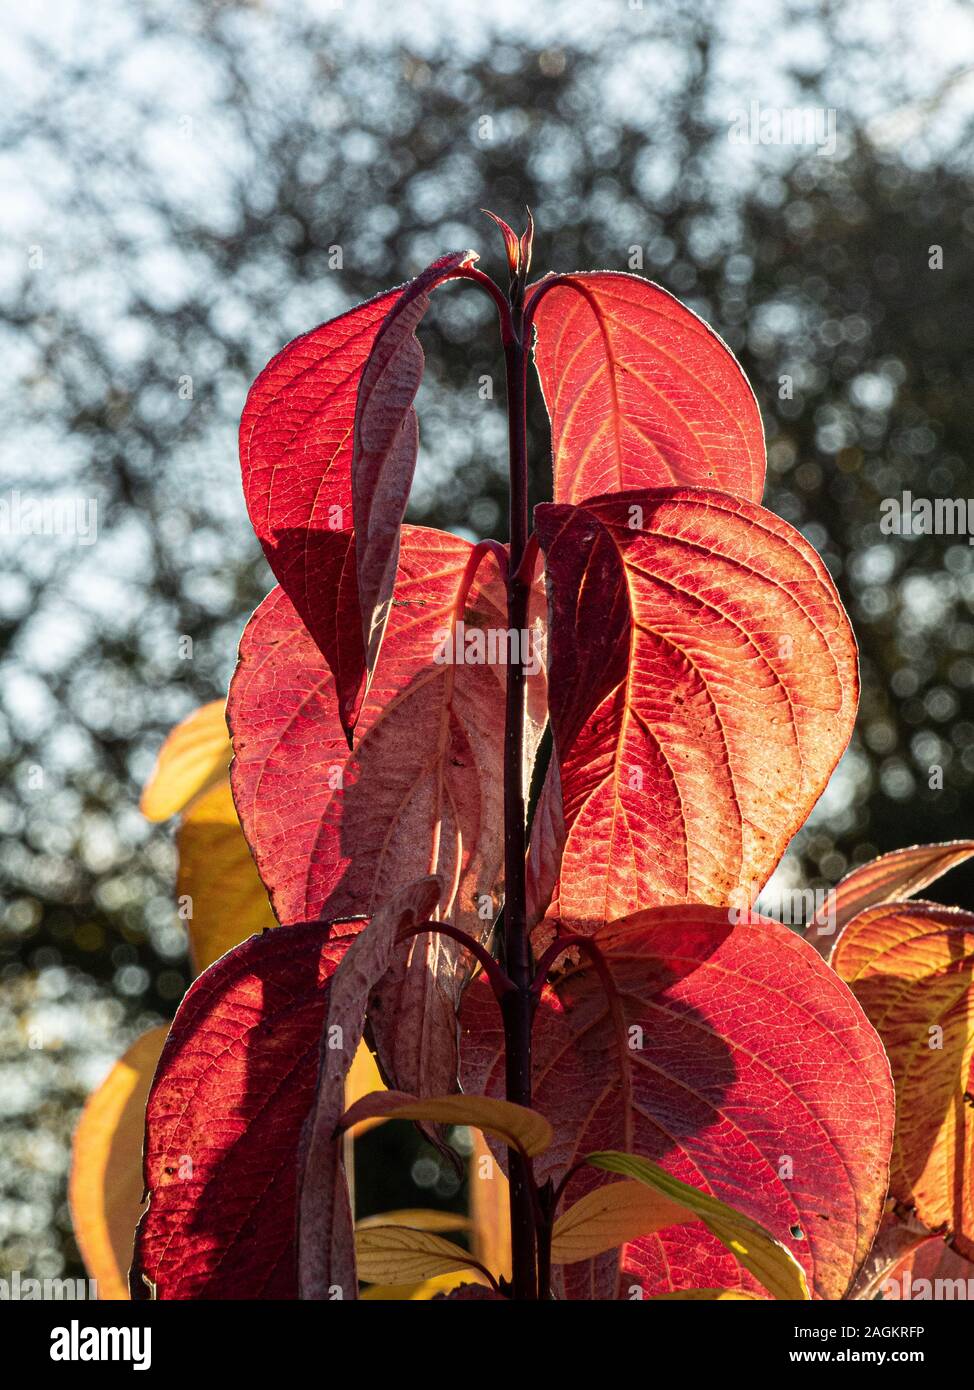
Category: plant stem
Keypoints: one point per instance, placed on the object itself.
(518, 1006)
(546, 1201)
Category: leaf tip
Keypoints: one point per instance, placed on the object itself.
(518, 248)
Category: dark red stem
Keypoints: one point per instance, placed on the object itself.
(469, 272)
(519, 1005)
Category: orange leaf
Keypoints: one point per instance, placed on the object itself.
(195, 755)
(221, 896)
(490, 1198)
(891, 878)
(105, 1186)
(911, 966)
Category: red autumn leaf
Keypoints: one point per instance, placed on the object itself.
(297, 442)
(911, 966)
(733, 1057)
(545, 848)
(336, 832)
(326, 1246)
(386, 446)
(703, 686)
(640, 391)
(234, 1086)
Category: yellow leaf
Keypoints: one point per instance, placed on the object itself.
(417, 1219)
(490, 1209)
(611, 1216)
(362, 1080)
(525, 1129)
(105, 1186)
(752, 1246)
(217, 878)
(398, 1255)
(195, 755)
(429, 1288)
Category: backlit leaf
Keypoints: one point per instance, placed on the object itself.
(194, 756)
(490, 1209)
(766, 1258)
(641, 392)
(385, 450)
(326, 1262)
(891, 878)
(735, 1059)
(297, 439)
(234, 1086)
(911, 966)
(397, 1255)
(703, 687)
(105, 1186)
(335, 832)
(221, 897)
(611, 1215)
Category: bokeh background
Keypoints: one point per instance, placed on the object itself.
(177, 177)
